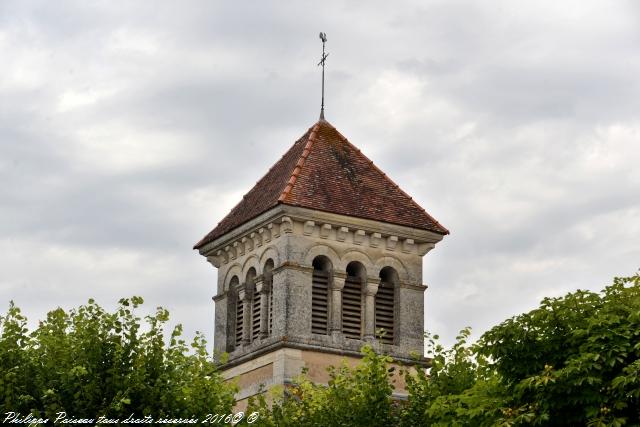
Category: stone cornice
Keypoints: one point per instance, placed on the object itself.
(250, 242)
(288, 265)
(261, 221)
(275, 343)
(284, 219)
(367, 225)
(336, 274)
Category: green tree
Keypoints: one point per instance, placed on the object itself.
(572, 361)
(88, 362)
(575, 360)
(359, 396)
(459, 388)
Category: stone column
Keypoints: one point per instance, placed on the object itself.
(370, 291)
(263, 287)
(220, 318)
(336, 306)
(244, 295)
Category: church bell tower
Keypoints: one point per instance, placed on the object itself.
(321, 256)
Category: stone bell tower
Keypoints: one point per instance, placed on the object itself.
(321, 256)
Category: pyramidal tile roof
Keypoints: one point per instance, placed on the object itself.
(324, 171)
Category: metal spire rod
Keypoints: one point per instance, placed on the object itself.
(323, 37)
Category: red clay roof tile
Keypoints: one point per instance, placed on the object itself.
(324, 171)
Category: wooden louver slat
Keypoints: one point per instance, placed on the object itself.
(352, 308)
(270, 312)
(239, 322)
(255, 326)
(319, 302)
(385, 300)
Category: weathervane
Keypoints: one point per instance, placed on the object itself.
(323, 37)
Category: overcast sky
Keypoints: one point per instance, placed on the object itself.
(129, 129)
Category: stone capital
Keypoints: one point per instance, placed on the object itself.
(371, 288)
(245, 292)
(263, 286)
(337, 284)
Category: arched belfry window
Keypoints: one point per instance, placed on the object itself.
(254, 298)
(385, 304)
(320, 295)
(234, 284)
(267, 271)
(352, 300)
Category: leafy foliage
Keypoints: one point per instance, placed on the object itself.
(572, 361)
(575, 359)
(88, 362)
(359, 396)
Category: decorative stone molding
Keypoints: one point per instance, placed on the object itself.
(325, 229)
(286, 225)
(247, 244)
(408, 245)
(342, 234)
(239, 248)
(265, 235)
(275, 230)
(308, 228)
(231, 251)
(392, 241)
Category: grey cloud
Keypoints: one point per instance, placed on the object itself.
(128, 130)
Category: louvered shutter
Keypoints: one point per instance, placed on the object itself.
(255, 318)
(352, 308)
(319, 302)
(271, 311)
(239, 322)
(385, 299)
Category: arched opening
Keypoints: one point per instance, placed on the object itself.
(236, 309)
(352, 300)
(322, 268)
(267, 272)
(254, 322)
(385, 304)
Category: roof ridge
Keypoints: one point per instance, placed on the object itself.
(264, 175)
(345, 140)
(207, 238)
(310, 174)
(301, 161)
